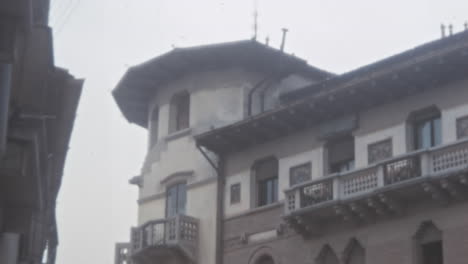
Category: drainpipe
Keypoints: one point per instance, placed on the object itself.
(219, 168)
(5, 90)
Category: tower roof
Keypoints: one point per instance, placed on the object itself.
(140, 82)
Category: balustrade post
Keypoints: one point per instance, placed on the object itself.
(177, 228)
(380, 176)
(297, 200)
(425, 163)
(336, 189)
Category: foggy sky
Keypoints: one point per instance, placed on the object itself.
(101, 38)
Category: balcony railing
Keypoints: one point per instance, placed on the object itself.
(391, 173)
(177, 232)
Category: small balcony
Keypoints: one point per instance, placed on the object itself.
(169, 238)
(380, 190)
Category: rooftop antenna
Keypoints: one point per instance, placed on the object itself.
(283, 41)
(442, 30)
(255, 14)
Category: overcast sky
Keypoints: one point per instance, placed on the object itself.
(98, 39)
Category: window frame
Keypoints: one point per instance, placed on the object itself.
(235, 199)
(458, 123)
(348, 162)
(292, 169)
(177, 209)
(154, 127)
(259, 179)
(420, 123)
(179, 112)
(265, 196)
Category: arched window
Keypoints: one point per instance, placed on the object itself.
(265, 259)
(354, 253)
(428, 243)
(179, 113)
(327, 256)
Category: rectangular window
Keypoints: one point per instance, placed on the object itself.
(266, 177)
(176, 198)
(235, 193)
(462, 127)
(268, 191)
(432, 253)
(341, 155)
(300, 174)
(154, 126)
(427, 132)
(183, 109)
(379, 151)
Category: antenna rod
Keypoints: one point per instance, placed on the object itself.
(255, 26)
(283, 42)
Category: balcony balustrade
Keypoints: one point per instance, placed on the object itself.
(441, 171)
(163, 237)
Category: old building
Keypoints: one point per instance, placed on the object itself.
(176, 96)
(367, 167)
(37, 110)
(255, 157)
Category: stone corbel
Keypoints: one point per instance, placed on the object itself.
(453, 189)
(436, 192)
(391, 203)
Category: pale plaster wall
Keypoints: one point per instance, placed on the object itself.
(216, 99)
(201, 203)
(379, 123)
(397, 133)
(151, 210)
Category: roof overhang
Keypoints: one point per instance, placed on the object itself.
(429, 66)
(140, 82)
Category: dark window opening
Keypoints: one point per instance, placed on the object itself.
(341, 155)
(265, 260)
(462, 127)
(268, 191)
(235, 193)
(432, 253)
(180, 112)
(266, 176)
(154, 126)
(176, 199)
(427, 132)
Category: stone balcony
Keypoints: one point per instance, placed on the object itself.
(380, 190)
(174, 239)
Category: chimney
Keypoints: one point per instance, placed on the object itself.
(466, 25)
(450, 29)
(267, 40)
(283, 41)
(442, 30)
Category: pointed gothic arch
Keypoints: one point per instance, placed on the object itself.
(428, 244)
(327, 256)
(354, 253)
